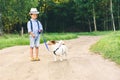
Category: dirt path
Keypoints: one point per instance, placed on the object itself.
(81, 64)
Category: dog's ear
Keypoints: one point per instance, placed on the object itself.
(53, 42)
(62, 42)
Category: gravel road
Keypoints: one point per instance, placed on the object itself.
(80, 65)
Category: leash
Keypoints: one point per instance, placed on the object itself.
(45, 41)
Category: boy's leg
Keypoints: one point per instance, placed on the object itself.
(31, 52)
(32, 40)
(37, 41)
(37, 51)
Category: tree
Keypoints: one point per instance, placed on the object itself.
(62, 15)
(112, 17)
(1, 25)
(15, 12)
(94, 18)
(1, 28)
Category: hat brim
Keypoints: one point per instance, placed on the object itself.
(33, 12)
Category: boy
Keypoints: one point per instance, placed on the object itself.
(34, 29)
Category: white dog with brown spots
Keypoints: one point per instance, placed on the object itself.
(58, 49)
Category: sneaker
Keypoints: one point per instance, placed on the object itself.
(37, 59)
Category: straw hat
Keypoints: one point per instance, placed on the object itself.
(33, 11)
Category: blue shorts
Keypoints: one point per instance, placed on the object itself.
(34, 42)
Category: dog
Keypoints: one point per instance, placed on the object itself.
(58, 49)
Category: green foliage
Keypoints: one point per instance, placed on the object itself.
(109, 46)
(15, 12)
(61, 15)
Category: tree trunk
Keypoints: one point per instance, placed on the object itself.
(107, 20)
(104, 25)
(118, 15)
(1, 26)
(94, 18)
(45, 11)
(89, 25)
(22, 31)
(112, 17)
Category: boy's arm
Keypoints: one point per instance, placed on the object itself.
(31, 33)
(41, 28)
(29, 29)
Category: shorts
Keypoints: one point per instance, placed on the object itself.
(34, 42)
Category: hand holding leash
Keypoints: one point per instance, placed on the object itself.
(33, 35)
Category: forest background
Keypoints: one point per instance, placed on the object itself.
(61, 15)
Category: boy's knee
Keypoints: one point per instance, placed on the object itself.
(36, 47)
(31, 47)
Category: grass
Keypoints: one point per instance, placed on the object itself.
(95, 33)
(9, 40)
(109, 46)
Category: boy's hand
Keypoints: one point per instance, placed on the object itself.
(40, 30)
(33, 35)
